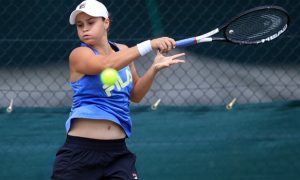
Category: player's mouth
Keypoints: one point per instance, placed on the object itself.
(86, 36)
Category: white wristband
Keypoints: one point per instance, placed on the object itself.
(144, 47)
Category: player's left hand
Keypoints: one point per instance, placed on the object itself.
(162, 61)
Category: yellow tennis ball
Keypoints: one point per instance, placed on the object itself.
(109, 76)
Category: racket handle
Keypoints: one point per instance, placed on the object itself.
(186, 42)
(193, 40)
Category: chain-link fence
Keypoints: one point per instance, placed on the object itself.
(36, 39)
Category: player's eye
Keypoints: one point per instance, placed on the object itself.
(91, 22)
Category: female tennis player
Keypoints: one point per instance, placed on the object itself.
(99, 120)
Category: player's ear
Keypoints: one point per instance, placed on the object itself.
(106, 23)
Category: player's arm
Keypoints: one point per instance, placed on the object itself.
(141, 85)
(135, 78)
(142, 88)
(84, 61)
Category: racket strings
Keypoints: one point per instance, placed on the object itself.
(257, 26)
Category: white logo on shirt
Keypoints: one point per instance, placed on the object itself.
(119, 83)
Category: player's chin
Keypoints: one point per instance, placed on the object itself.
(88, 41)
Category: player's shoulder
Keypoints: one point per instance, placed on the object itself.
(80, 50)
(122, 46)
(79, 53)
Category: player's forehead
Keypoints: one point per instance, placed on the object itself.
(83, 17)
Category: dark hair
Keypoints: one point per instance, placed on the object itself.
(109, 16)
(110, 21)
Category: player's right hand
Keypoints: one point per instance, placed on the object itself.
(163, 44)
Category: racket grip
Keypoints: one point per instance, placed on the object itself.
(186, 42)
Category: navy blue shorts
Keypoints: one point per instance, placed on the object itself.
(90, 159)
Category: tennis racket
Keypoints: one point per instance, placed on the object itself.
(254, 26)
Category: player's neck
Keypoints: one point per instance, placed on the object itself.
(104, 48)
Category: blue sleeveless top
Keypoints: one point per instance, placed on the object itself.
(94, 100)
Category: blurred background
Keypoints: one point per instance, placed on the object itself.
(191, 135)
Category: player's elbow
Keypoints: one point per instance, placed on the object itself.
(136, 99)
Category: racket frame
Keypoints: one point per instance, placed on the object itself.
(207, 36)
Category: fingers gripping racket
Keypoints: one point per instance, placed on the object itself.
(253, 26)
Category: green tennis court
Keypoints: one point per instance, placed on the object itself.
(259, 141)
